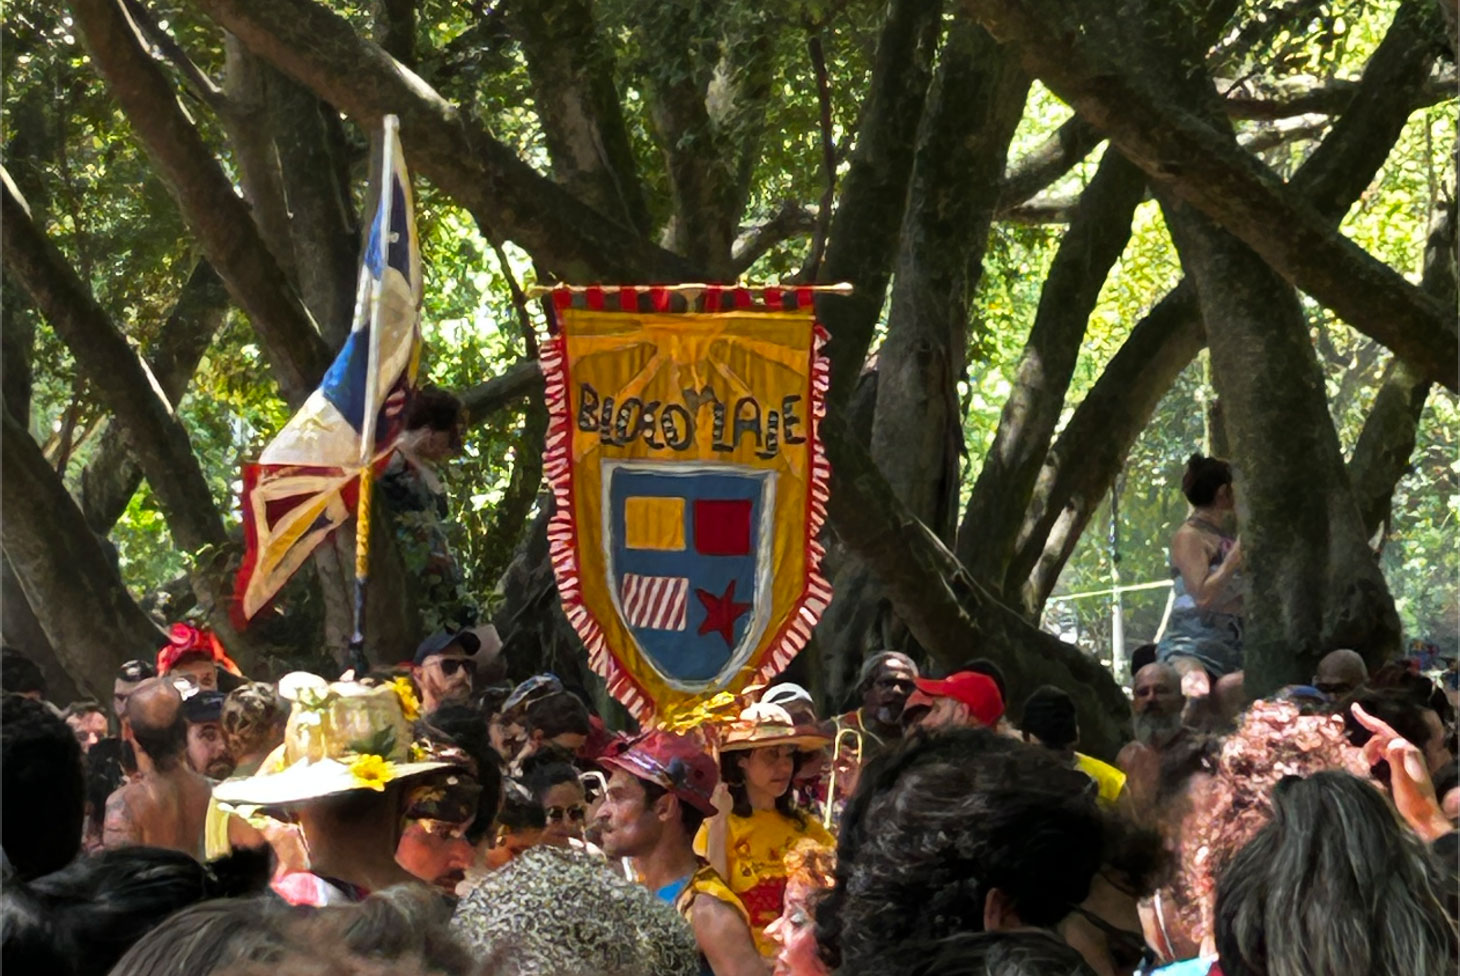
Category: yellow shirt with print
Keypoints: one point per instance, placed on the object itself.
(755, 850)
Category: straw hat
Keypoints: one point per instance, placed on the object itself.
(341, 736)
(763, 725)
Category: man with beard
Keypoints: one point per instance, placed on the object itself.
(442, 668)
(657, 797)
(1156, 708)
(207, 748)
(886, 681)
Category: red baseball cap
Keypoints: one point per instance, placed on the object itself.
(973, 689)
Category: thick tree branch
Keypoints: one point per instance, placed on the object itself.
(69, 581)
(455, 151)
(221, 221)
(522, 378)
(1097, 234)
(789, 221)
(1382, 452)
(950, 614)
(862, 246)
(1329, 99)
(121, 379)
(577, 102)
(196, 80)
(1202, 167)
(111, 479)
(1051, 159)
(129, 390)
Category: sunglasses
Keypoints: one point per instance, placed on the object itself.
(576, 813)
(1128, 950)
(449, 666)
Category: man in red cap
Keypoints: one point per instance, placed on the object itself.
(963, 699)
(657, 797)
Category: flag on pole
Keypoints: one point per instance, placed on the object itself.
(306, 482)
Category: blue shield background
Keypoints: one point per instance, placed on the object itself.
(687, 656)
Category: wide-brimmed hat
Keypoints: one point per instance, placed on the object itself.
(341, 736)
(675, 762)
(763, 725)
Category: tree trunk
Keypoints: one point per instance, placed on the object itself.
(1313, 584)
(976, 101)
(706, 99)
(314, 160)
(68, 579)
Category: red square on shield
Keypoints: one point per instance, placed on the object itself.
(722, 527)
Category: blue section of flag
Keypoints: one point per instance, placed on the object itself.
(398, 250)
(344, 383)
(688, 655)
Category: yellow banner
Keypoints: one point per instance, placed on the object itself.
(690, 487)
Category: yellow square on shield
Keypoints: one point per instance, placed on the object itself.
(653, 523)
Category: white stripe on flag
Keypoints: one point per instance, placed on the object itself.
(655, 602)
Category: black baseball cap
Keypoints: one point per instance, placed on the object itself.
(469, 643)
(203, 706)
(134, 671)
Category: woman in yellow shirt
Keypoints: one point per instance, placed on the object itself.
(757, 822)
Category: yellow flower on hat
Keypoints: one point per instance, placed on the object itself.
(410, 706)
(372, 772)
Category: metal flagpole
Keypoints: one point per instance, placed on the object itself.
(356, 655)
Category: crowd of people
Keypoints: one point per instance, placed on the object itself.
(433, 818)
(415, 820)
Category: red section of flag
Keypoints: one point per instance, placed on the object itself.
(722, 527)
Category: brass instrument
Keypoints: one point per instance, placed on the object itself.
(836, 754)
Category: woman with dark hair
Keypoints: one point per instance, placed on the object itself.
(1203, 638)
(757, 822)
(559, 791)
(1332, 885)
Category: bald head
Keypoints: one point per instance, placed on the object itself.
(1340, 672)
(154, 713)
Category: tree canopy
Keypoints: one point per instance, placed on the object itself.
(1085, 243)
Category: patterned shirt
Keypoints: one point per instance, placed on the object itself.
(555, 911)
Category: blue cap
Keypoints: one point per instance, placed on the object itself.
(442, 639)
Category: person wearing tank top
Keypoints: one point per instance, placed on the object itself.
(1203, 638)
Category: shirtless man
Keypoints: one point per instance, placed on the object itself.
(167, 804)
(1156, 709)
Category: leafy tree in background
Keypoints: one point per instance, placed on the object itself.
(182, 228)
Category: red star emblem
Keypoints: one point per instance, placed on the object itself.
(721, 612)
